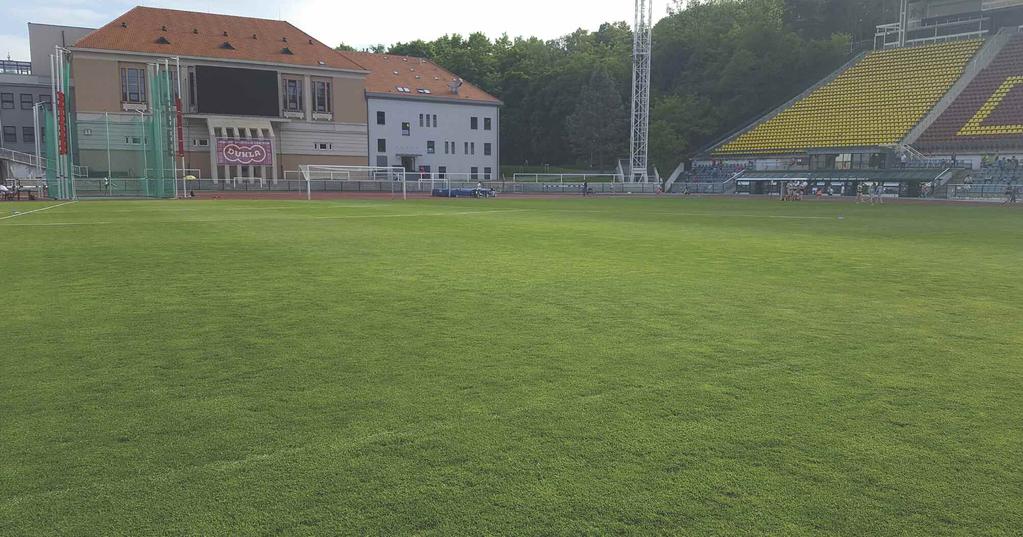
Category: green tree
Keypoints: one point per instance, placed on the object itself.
(596, 130)
(717, 65)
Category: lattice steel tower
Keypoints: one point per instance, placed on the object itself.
(642, 39)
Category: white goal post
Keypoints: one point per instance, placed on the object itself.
(326, 174)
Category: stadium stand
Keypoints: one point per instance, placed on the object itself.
(713, 173)
(988, 115)
(875, 102)
(1002, 171)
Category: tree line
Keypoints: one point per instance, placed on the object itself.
(717, 64)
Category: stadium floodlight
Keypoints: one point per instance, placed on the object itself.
(329, 178)
(641, 52)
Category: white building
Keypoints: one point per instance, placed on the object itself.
(427, 120)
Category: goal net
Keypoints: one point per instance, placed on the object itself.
(320, 178)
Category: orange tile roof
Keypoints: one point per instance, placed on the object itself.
(202, 35)
(388, 72)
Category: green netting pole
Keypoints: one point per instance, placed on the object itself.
(68, 124)
(50, 149)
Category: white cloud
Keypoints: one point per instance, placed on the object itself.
(355, 23)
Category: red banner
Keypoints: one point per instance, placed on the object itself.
(181, 127)
(61, 124)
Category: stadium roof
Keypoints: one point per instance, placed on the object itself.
(389, 72)
(171, 32)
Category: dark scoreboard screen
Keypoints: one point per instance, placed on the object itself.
(239, 92)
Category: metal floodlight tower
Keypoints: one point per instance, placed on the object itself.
(903, 22)
(641, 45)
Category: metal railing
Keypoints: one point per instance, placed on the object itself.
(571, 177)
(14, 67)
(981, 192)
(177, 173)
(29, 159)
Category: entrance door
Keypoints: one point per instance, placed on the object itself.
(409, 163)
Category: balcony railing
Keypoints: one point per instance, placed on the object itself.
(15, 67)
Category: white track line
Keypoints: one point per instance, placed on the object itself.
(37, 210)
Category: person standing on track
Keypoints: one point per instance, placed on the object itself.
(586, 188)
(1010, 195)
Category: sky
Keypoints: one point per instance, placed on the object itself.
(359, 24)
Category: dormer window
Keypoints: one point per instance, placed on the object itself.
(226, 45)
(162, 41)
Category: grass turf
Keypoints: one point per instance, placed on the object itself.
(519, 367)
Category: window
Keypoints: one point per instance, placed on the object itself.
(381, 145)
(487, 174)
(44, 98)
(132, 140)
(321, 97)
(323, 146)
(428, 120)
(475, 175)
(200, 142)
(293, 95)
(406, 129)
(474, 123)
(447, 150)
(28, 135)
(472, 148)
(442, 172)
(10, 134)
(6, 101)
(466, 152)
(431, 147)
(381, 118)
(435, 120)
(487, 124)
(192, 102)
(488, 149)
(421, 121)
(174, 84)
(382, 161)
(26, 101)
(133, 85)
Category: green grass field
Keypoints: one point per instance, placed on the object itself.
(511, 367)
